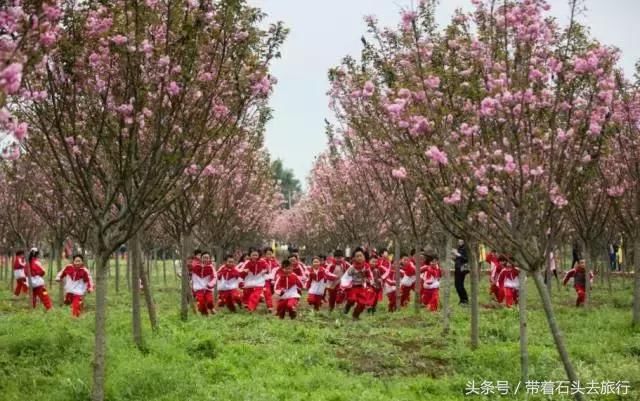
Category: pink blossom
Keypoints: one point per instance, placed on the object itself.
(488, 107)
(369, 89)
(164, 61)
(437, 156)
(616, 191)
(432, 82)
(482, 190)
(119, 39)
(173, 88)
(11, 77)
(454, 198)
(399, 173)
(408, 17)
(20, 131)
(48, 38)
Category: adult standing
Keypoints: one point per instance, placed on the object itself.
(461, 265)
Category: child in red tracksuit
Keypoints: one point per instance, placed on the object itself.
(375, 289)
(355, 280)
(579, 275)
(19, 267)
(430, 292)
(389, 289)
(77, 282)
(288, 286)
(37, 273)
(254, 273)
(497, 265)
(203, 278)
(337, 268)
(408, 280)
(228, 279)
(318, 278)
(273, 267)
(509, 282)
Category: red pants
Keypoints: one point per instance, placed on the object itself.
(251, 297)
(76, 303)
(497, 292)
(268, 298)
(430, 298)
(336, 296)
(405, 295)
(393, 301)
(229, 299)
(315, 301)
(510, 296)
(358, 296)
(21, 287)
(204, 299)
(580, 290)
(287, 306)
(374, 296)
(41, 292)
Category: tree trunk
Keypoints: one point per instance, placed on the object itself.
(419, 262)
(555, 332)
(164, 268)
(100, 349)
(148, 297)
(135, 290)
(447, 286)
(473, 261)
(185, 248)
(396, 260)
(59, 269)
(128, 272)
(587, 271)
(522, 306)
(636, 288)
(50, 272)
(117, 271)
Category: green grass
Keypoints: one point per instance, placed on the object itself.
(390, 357)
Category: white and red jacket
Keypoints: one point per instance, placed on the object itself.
(337, 269)
(318, 279)
(77, 280)
(509, 278)
(288, 285)
(19, 265)
(203, 276)
(255, 273)
(37, 273)
(389, 282)
(496, 269)
(408, 272)
(579, 276)
(228, 278)
(273, 265)
(358, 275)
(430, 275)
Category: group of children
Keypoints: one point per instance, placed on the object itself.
(504, 278)
(359, 285)
(29, 272)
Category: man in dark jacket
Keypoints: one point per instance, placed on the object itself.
(461, 260)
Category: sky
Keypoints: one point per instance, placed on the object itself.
(322, 32)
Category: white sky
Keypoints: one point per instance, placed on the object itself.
(324, 31)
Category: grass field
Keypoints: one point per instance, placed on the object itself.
(389, 357)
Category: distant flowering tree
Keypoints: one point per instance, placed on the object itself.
(135, 96)
(620, 170)
(497, 117)
(28, 30)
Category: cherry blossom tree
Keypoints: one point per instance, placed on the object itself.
(135, 94)
(497, 117)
